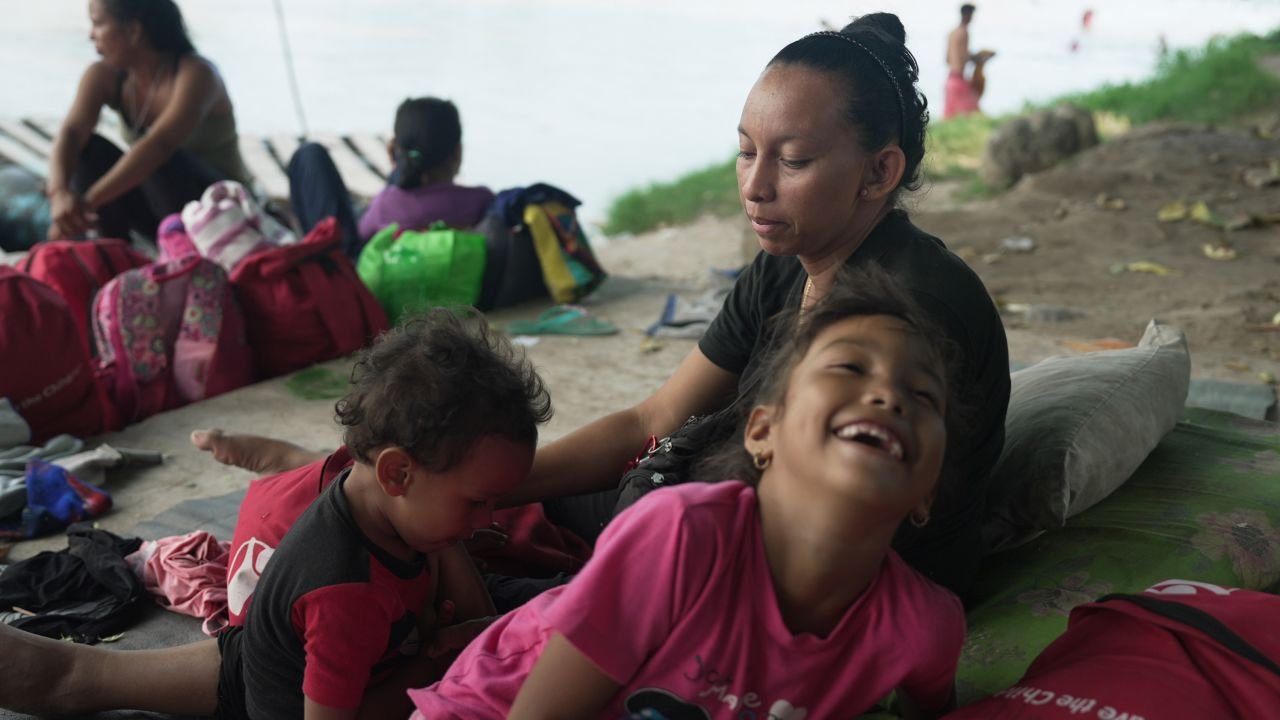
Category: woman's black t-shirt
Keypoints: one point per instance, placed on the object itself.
(955, 299)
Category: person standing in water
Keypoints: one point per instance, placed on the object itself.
(964, 93)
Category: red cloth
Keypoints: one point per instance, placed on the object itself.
(187, 574)
(961, 99)
(1120, 660)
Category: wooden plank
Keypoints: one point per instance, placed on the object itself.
(373, 149)
(19, 154)
(283, 147)
(358, 177)
(108, 127)
(21, 132)
(264, 168)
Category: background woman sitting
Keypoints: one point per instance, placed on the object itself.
(174, 113)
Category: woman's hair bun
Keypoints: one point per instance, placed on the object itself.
(887, 23)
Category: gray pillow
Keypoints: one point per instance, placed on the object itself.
(1078, 427)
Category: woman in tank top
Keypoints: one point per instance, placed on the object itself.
(174, 113)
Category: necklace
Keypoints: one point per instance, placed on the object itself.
(808, 290)
(137, 124)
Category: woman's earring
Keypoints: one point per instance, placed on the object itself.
(919, 523)
(862, 192)
(761, 461)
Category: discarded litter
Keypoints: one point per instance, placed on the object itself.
(1259, 178)
(1142, 266)
(1043, 313)
(1018, 243)
(651, 345)
(1175, 211)
(1276, 320)
(1108, 202)
(1267, 377)
(1219, 251)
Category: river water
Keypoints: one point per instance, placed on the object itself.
(597, 96)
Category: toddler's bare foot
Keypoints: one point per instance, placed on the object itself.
(255, 453)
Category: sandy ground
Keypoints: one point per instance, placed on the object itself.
(1219, 303)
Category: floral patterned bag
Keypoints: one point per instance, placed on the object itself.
(169, 334)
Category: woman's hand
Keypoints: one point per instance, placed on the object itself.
(70, 214)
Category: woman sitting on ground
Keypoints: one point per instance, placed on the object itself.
(427, 155)
(174, 113)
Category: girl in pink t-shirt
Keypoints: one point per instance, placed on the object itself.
(774, 596)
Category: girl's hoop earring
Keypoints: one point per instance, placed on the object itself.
(917, 522)
(761, 461)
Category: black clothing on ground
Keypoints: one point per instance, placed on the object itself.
(948, 549)
(85, 592)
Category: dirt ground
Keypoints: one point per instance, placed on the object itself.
(1225, 306)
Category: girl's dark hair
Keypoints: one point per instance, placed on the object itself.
(859, 292)
(879, 75)
(161, 22)
(435, 385)
(428, 132)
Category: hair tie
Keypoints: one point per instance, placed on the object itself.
(893, 79)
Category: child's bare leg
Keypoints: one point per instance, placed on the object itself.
(43, 677)
(255, 453)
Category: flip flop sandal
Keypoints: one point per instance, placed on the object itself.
(563, 320)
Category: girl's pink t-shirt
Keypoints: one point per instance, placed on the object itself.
(678, 607)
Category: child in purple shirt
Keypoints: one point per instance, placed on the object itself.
(427, 152)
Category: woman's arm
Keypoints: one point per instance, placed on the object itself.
(563, 685)
(593, 457)
(195, 91)
(70, 215)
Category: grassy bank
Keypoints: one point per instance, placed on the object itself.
(1215, 84)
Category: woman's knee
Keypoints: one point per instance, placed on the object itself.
(309, 158)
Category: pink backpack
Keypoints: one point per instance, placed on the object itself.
(169, 334)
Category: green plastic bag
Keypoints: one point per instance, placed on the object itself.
(421, 269)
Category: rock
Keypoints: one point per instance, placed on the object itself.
(1036, 142)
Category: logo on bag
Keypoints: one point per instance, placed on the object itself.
(50, 390)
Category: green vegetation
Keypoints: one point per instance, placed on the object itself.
(1218, 83)
(712, 190)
